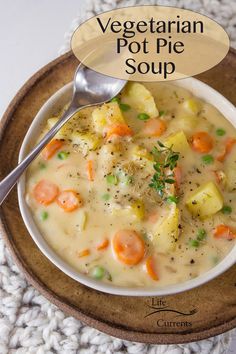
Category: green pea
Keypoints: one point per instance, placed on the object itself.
(194, 243)
(172, 199)
(143, 116)
(42, 166)
(62, 155)
(207, 159)
(201, 234)
(44, 215)
(98, 272)
(115, 99)
(162, 113)
(111, 179)
(106, 196)
(124, 107)
(226, 209)
(220, 132)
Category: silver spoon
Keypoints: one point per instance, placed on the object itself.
(90, 88)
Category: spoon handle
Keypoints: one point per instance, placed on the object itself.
(8, 182)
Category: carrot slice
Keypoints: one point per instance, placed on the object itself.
(103, 245)
(51, 148)
(69, 200)
(229, 143)
(128, 246)
(177, 176)
(224, 231)
(45, 192)
(202, 142)
(84, 253)
(118, 129)
(154, 127)
(90, 170)
(150, 268)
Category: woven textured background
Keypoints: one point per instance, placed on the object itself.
(28, 322)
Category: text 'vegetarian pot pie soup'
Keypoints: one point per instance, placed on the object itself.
(140, 191)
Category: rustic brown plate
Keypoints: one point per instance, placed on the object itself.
(193, 315)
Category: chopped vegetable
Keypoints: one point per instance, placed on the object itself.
(84, 253)
(98, 272)
(128, 246)
(201, 234)
(81, 220)
(162, 113)
(226, 209)
(62, 155)
(166, 231)
(86, 140)
(119, 130)
(140, 98)
(112, 179)
(90, 170)
(224, 231)
(205, 200)
(150, 268)
(220, 177)
(177, 177)
(220, 132)
(202, 142)
(45, 192)
(124, 107)
(154, 127)
(44, 215)
(194, 243)
(143, 116)
(207, 159)
(178, 142)
(115, 99)
(229, 143)
(51, 148)
(106, 115)
(106, 196)
(103, 245)
(69, 200)
(192, 105)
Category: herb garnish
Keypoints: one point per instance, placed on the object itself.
(165, 161)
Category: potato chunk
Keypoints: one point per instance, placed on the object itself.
(166, 231)
(185, 122)
(230, 170)
(192, 105)
(85, 140)
(107, 114)
(178, 141)
(141, 99)
(205, 201)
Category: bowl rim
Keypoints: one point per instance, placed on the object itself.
(192, 84)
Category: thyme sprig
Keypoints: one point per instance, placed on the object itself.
(165, 162)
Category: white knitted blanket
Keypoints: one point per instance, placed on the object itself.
(31, 324)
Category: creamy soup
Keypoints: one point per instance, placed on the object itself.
(140, 191)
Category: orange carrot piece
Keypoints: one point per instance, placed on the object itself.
(202, 142)
(118, 129)
(154, 127)
(224, 231)
(128, 246)
(51, 148)
(150, 268)
(45, 192)
(84, 253)
(103, 245)
(177, 177)
(69, 200)
(90, 170)
(229, 143)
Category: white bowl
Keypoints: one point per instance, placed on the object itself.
(58, 100)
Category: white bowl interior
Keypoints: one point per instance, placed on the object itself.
(57, 101)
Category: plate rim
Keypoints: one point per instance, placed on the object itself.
(106, 327)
